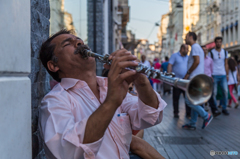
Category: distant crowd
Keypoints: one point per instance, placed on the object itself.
(215, 63)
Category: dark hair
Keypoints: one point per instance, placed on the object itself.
(166, 58)
(46, 52)
(218, 38)
(193, 35)
(182, 46)
(232, 64)
(203, 46)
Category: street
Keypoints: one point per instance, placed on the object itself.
(171, 141)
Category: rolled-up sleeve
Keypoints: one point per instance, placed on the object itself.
(141, 115)
(62, 135)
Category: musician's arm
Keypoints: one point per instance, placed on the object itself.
(193, 67)
(145, 91)
(169, 68)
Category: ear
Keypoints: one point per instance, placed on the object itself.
(52, 66)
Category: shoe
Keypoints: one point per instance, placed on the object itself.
(236, 106)
(207, 121)
(176, 116)
(189, 127)
(219, 106)
(225, 112)
(188, 116)
(216, 113)
(229, 106)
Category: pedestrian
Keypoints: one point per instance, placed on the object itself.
(232, 81)
(164, 65)
(208, 69)
(220, 72)
(178, 65)
(195, 67)
(156, 82)
(148, 64)
(86, 116)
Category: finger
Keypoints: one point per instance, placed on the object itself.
(125, 64)
(117, 66)
(122, 77)
(119, 53)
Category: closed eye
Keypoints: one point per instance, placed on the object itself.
(66, 45)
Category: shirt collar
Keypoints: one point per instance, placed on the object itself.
(68, 83)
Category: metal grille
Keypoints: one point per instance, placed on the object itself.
(181, 140)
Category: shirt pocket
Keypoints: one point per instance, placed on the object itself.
(126, 131)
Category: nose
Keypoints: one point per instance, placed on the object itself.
(78, 43)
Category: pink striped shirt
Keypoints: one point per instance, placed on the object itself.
(208, 66)
(64, 114)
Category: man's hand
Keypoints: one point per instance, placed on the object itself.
(117, 76)
(186, 76)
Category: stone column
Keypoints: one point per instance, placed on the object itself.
(40, 14)
(15, 86)
(96, 29)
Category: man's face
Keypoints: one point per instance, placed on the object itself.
(205, 50)
(187, 39)
(65, 46)
(185, 50)
(218, 43)
(143, 57)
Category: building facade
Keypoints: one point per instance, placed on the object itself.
(68, 21)
(162, 36)
(230, 29)
(56, 16)
(171, 29)
(209, 23)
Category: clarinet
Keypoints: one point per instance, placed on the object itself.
(198, 89)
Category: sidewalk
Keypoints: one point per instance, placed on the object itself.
(171, 141)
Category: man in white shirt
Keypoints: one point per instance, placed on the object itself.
(220, 72)
(145, 62)
(195, 66)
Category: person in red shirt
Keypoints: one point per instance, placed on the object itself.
(156, 82)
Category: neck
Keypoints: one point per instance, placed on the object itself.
(89, 76)
(218, 49)
(193, 42)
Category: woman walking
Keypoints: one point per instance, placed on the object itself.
(232, 80)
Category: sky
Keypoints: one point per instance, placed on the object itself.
(143, 16)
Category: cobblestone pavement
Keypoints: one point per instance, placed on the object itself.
(171, 141)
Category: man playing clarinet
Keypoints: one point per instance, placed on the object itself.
(86, 116)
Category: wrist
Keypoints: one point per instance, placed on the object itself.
(111, 104)
(188, 72)
(141, 80)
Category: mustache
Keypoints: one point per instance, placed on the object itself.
(81, 48)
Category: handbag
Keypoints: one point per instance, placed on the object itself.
(235, 85)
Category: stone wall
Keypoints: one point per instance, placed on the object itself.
(95, 29)
(40, 14)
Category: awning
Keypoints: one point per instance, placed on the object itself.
(231, 26)
(210, 45)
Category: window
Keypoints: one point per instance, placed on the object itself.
(212, 33)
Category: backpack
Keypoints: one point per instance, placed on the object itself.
(212, 53)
